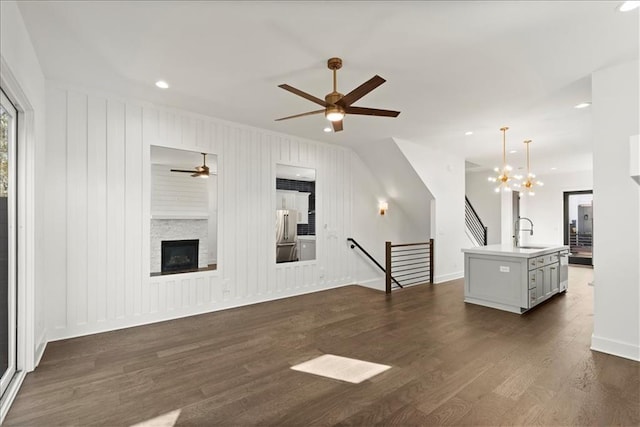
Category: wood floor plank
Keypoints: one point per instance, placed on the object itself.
(451, 364)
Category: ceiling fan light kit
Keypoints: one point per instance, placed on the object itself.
(198, 171)
(337, 105)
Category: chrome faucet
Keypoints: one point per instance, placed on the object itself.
(518, 230)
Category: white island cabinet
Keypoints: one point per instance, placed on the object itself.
(514, 279)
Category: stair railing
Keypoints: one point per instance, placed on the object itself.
(387, 273)
(411, 263)
(474, 223)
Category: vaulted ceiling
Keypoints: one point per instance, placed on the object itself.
(451, 67)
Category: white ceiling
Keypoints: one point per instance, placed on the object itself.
(181, 158)
(450, 67)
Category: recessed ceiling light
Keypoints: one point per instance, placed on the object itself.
(628, 6)
(553, 169)
(327, 129)
(162, 84)
(583, 105)
(513, 151)
(297, 174)
(468, 133)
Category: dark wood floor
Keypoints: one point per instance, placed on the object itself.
(452, 364)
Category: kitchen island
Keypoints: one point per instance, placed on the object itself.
(514, 279)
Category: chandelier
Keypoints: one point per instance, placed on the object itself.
(530, 182)
(503, 179)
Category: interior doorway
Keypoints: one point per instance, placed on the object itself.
(578, 226)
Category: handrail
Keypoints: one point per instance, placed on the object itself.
(475, 224)
(354, 244)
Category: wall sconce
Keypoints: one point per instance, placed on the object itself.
(383, 206)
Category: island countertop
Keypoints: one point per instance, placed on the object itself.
(528, 251)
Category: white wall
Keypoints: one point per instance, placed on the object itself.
(616, 212)
(177, 193)
(22, 77)
(546, 208)
(98, 207)
(443, 174)
(485, 201)
(372, 230)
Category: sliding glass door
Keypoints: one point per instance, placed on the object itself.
(8, 126)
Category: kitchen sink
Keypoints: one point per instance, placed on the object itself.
(531, 247)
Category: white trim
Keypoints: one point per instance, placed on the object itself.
(11, 393)
(39, 352)
(26, 217)
(616, 348)
(12, 252)
(125, 323)
(447, 277)
(377, 283)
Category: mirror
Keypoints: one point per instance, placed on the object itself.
(295, 214)
(184, 211)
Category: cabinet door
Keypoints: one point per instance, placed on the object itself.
(541, 274)
(285, 199)
(536, 286)
(547, 280)
(554, 273)
(302, 206)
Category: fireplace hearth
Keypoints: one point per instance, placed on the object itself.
(179, 255)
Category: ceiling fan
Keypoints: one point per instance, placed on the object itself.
(336, 105)
(198, 171)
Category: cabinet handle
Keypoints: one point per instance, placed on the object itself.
(540, 261)
(553, 268)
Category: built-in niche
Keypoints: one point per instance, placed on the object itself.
(295, 215)
(184, 211)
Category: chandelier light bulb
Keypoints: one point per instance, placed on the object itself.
(530, 183)
(503, 178)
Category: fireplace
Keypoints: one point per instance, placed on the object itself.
(179, 255)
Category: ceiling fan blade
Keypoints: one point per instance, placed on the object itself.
(182, 170)
(361, 91)
(371, 112)
(303, 94)
(337, 126)
(301, 115)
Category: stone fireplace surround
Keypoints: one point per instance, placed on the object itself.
(178, 229)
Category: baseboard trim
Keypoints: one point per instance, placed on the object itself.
(448, 277)
(377, 284)
(615, 348)
(11, 393)
(150, 318)
(39, 352)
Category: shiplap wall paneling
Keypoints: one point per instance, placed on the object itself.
(56, 209)
(133, 210)
(174, 193)
(77, 208)
(97, 208)
(98, 204)
(115, 209)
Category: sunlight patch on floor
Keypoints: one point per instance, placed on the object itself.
(341, 368)
(165, 420)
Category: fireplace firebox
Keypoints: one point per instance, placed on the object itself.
(179, 255)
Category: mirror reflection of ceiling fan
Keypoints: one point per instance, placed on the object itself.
(336, 105)
(198, 171)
